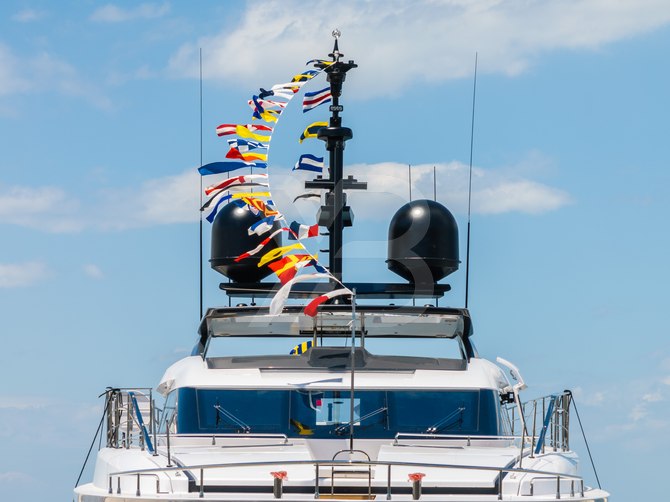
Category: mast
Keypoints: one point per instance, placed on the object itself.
(335, 214)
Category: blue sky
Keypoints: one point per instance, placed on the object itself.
(100, 121)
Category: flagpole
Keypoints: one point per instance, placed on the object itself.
(472, 137)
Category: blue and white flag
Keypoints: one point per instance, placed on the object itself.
(244, 145)
(316, 98)
(226, 167)
(262, 226)
(212, 205)
(308, 162)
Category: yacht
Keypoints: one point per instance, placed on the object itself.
(357, 394)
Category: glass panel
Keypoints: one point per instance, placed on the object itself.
(327, 413)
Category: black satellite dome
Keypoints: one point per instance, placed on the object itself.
(230, 238)
(423, 242)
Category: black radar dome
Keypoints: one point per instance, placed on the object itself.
(230, 238)
(423, 242)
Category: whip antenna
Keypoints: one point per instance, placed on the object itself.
(201, 286)
(472, 137)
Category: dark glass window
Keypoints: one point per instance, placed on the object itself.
(326, 413)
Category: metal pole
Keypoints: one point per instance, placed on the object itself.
(532, 444)
(353, 369)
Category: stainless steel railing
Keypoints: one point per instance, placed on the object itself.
(545, 424)
(131, 418)
(318, 465)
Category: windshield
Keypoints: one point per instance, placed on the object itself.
(327, 413)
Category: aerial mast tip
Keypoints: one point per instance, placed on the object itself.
(336, 54)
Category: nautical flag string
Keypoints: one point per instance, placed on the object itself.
(285, 268)
(234, 153)
(244, 180)
(312, 307)
(309, 162)
(258, 206)
(226, 167)
(286, 94)
(267, 115)
(316, 98)
(299, 231)
(262, 244)
(312, 130)
(278, 252)
(286, 261)
(239, 129)
(244, 145)
(307, 196)
(301, 348)
(304, 76)
(255, 102)
(279, 300)
(262, 226)
(319, 61)
(213, 205)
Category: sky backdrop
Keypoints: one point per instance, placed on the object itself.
(99, 195)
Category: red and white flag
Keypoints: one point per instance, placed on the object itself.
(279, 300)
(256, 179)
(311, 308)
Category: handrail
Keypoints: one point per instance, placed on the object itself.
(467, 437)
(333, 463)
(140, 422)
(553, 422)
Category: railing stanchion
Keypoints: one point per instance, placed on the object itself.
(110, 486)
(558, 487)
(388, 483)
(202, 483)
(168, 425)
(523, 440)
(532, 441)
(316, 481)
(137, 492)
(500, 478)
(129, 422)
(118, 485)
(543, 415)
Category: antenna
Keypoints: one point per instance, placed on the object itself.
(201, 286)
(472, 137)
(409, 177)
(434, 185)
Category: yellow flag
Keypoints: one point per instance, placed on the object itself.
(277, 252)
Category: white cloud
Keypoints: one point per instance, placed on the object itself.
(400, 42)
(652, 397)
(175, 199)
(93, 271)
(14, 476)
(112, 13)
(493, 192)
(23, 403)
(16, 275)
(591, 398)
(28, 15)
(11, 80)
(43, 208)
(166, 200)
(44, 72)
